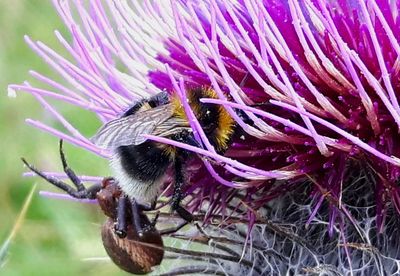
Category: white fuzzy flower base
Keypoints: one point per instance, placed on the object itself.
(285, 243)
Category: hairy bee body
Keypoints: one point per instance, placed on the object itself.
(140, 165)
(140, 170)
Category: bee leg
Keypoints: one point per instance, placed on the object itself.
(120, 227)
(178, 194)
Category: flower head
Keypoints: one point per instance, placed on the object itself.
(316, 82)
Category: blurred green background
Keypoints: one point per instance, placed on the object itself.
(56, 236)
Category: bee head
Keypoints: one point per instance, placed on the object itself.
(215, 120)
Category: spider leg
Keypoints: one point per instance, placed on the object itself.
(150, 207)
(121, 224)
(174, 229)
(56, 182)
(137, 218)
(80, 192)
(154, 220)
(69, 172)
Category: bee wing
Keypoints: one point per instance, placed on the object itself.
(122, 132)
(128, 130)
(171, 126)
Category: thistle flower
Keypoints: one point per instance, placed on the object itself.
(317, 79)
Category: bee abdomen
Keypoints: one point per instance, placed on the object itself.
(145, 162)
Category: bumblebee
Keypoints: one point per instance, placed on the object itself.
(140, 165)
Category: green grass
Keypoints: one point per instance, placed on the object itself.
(55, 236)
